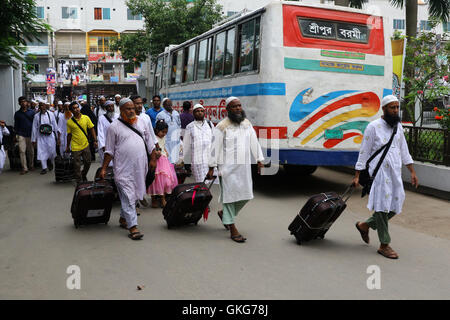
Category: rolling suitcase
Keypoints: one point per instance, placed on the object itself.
(14, 158)
(187, 204)
(109, 176)
(64, 168)
(318, 214)
(92, 203)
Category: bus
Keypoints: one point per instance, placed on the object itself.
(310, 78)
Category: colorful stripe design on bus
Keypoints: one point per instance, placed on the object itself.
(370, 105)
(254, 89)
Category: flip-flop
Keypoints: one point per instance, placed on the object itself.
(240, 237)
(364, 234)
(220, 216)
(388, 255)
(135, 235)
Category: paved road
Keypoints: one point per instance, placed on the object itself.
(38, 242)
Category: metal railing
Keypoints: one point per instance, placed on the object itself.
(428, 144)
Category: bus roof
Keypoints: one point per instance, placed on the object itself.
(250, 14)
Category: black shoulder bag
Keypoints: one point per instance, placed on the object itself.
(365, 180)
(45, 129)
(150, 173)
(108, 118)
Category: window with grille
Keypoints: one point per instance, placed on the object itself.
(399, 24)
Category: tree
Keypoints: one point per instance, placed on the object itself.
(166, 22)
(19, 24)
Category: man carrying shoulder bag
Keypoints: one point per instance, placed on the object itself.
(378, 171)
(77, 140)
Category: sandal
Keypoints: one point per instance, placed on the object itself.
(364, 234)
(220, 214)
(388, 253)
(238, 238)
(135, 235)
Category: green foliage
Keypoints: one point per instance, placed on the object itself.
(167, 22)
(19, 25)
(397, 35)
(425, 56)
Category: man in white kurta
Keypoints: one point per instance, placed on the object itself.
(197, 143)
(102, 126)
(235, 144)
(61, 121)
(130, 163)
(139, 104)
(46, 144)
(173, 140)
(386, 194)
(3, 132)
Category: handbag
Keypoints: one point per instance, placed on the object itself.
(45, 129)
(150, 177)
(365, 179)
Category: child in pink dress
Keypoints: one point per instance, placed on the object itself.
(165, 176)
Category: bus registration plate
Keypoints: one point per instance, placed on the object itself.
(334, 134)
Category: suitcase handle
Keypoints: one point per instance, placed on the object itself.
(348, 193)
(212, 181)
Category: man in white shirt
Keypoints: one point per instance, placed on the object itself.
(102, 126)
(235, 143)
(3, 132)
(386, 195)
(173, 140)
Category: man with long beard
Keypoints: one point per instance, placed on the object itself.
(103, 124)
(235, 143)
(44, 135)
(386, 195)
(77, 140)
(129, 148)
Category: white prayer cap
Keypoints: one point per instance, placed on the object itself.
(101, 97)
(198, 105)
(117, 96)
(67, 102)
(60, 102)
(108, 103)
(123, 101)
(388, 99)
(227, 102)
(162, 102)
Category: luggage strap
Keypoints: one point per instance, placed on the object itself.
(324, 200)
(307, 224)
(91, 187)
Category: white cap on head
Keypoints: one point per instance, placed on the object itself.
(60, 103)
(227, 102)
(117, 96)
(124, 101)
(108, 103)
(66, 103)
(198, 105)
(388, 99)
(162, 102)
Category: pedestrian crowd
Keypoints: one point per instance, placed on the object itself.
(136, 140)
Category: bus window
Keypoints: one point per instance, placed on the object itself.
(219, 54)
(248, 45)
(189, 63)
(229, 54)
(204, 59)
(177, 67)
(158, 74)
(165, 71)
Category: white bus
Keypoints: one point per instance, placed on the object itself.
(310, 77)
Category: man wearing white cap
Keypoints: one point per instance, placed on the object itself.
(386, 195)
(173, 140)
(127, 142)
(197, 143)
(103, 124)
(44, 135)
(235, 143)
(61, 116)
(117, 98)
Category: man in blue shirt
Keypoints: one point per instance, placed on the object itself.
(23, 124)
(153, 112)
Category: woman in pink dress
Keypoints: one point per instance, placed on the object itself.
(165, 176)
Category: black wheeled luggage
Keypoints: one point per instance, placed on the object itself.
(64, 168)
(14, 158)
(318, 215)
(187, 204)
(92, 202)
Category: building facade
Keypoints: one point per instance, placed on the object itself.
(78, 48)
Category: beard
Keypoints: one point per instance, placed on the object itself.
(128, 120)
(391, 120)
(110, 114)
(67, 114)
(237, 118)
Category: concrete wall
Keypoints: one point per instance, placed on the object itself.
(10, 91)
(432, 178)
